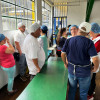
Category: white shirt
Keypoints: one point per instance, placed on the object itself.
(20, 37)
(95, 41)
(33, 50)
(40, 42)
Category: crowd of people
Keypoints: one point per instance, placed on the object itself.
(29, 52)
(80, 55)
(78, 46)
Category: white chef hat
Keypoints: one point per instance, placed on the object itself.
(20, 24)
(34, 27)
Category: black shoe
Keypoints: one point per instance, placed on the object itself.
(23, 78)
(31, 77)
(27, 75)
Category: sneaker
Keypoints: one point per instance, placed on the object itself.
(31, 77)
(23, 78)
(27, 75)
(12, 92)
(90, 97)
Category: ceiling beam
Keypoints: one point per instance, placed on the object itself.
(67, 5)
(90, 4)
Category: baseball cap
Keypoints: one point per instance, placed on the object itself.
(2, 37)
(85, 27)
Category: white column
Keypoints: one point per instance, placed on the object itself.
(38, 10)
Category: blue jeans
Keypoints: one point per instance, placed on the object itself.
(84, 84)
(22, 65)
(11, 74)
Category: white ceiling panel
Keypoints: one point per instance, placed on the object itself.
(61, 1)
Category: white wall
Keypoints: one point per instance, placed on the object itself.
(95, 14)
(76, 14)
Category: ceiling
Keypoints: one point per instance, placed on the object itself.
(62, 1)
(65, 2)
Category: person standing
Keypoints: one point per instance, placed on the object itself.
(95, 36)
(7, 62)
(78, 50)
(61, 38)
(19, 40)
(34, 53)
(43, 40)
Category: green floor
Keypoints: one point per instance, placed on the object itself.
(50, 84)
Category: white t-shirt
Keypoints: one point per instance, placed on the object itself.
(33, 50)
(20, 37)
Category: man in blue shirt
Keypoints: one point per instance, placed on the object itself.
(79, 50)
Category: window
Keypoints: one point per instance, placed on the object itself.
(14, 11)
(60, 9)
(46, 15)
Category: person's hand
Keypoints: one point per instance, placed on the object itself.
(93, 70)
(20, 53)
(65, 65)
(38, 69)
(7, 40)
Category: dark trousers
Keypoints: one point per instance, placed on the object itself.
(58, 53)
(92, 85)
(22, 64)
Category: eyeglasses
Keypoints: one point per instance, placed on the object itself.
(73, 29)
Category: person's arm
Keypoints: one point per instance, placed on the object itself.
(64, 58)
(96, 63)
(18, 47)
(93, 54)
(10, 49)
(63, 54)
(35, 61)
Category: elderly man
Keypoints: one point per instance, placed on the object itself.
(19, 39)
(95, 36)
(78, 50)
(34, 53)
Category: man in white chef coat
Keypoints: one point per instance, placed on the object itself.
(34, 53)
